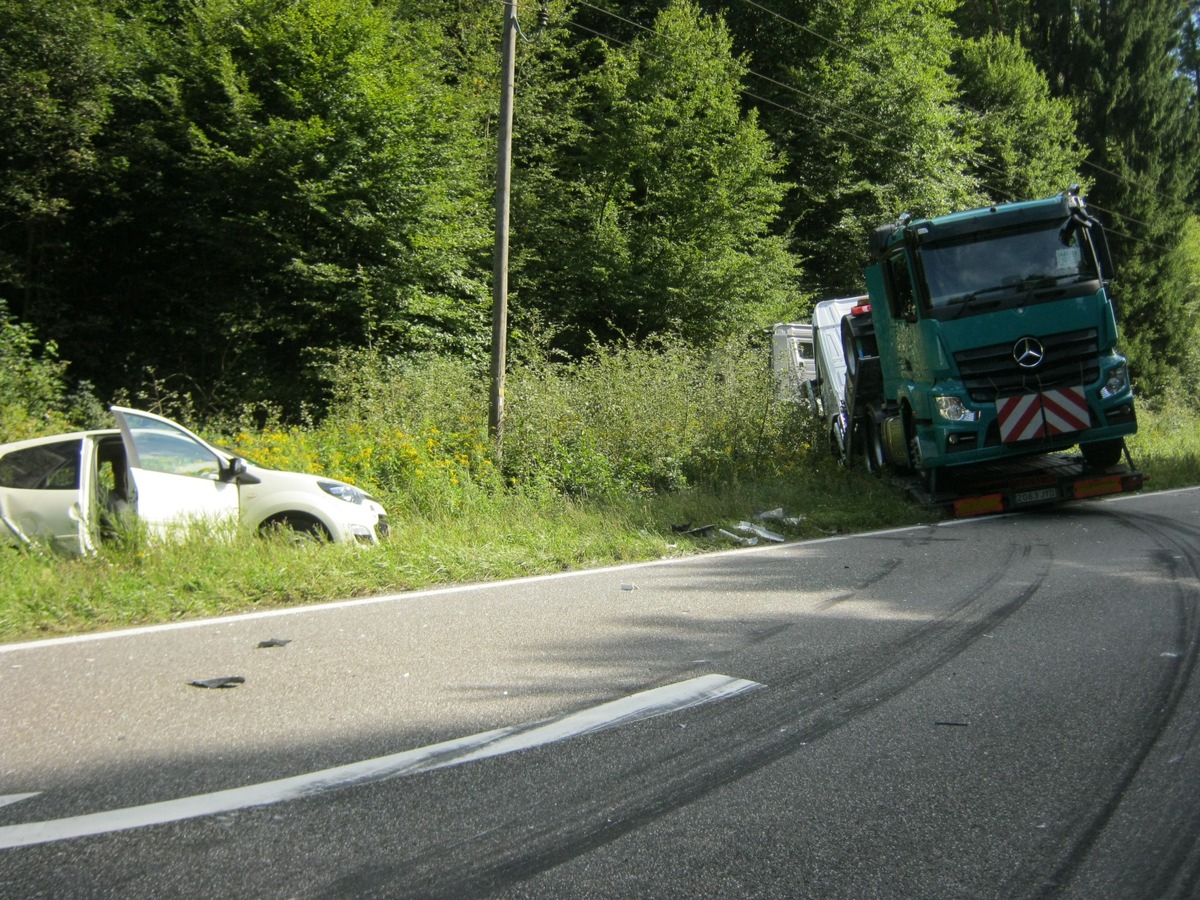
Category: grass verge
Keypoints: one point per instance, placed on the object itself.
(485, 538)
(483, 535)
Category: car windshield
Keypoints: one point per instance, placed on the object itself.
(994, 265)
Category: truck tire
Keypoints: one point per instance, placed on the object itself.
(858, 341)
(1103, 454)
(893, 433)
(874, 449)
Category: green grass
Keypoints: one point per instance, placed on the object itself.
(491, 537)
(601, 485)
(1167, 448)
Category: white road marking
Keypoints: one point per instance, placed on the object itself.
(643, 705)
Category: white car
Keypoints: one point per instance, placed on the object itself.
(67, 490)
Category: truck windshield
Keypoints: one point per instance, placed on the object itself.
(1026, 265)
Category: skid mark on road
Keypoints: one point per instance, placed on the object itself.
(625, 711)
(1175, 871)
(803, 708)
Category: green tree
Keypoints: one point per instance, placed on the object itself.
(294, 178)
(662, 219)
(1028, 140)
(1119, 61)
(862, 97)
(56, 63)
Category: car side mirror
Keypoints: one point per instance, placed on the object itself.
(237, 473)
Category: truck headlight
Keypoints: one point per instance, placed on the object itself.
(953, 410)
(347, 492)
(1117, 381)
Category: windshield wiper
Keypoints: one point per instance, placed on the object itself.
(963, 301)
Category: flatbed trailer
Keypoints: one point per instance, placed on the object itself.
(1034, 481)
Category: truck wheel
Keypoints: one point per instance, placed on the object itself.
(1103, 454)
(874, 452)
(858, 341)
(894, 431)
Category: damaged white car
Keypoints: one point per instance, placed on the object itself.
(68, 491)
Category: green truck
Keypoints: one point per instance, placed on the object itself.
(987, 338)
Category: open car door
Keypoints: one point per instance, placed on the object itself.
(45, 495)
(176, 478)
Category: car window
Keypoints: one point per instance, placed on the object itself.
(161, 448)
(53, 467)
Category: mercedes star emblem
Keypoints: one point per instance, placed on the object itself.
(1029, 352)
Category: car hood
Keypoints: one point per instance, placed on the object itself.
(275, 480)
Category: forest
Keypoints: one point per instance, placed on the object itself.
(229, 199)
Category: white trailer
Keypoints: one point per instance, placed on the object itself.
(829, 360)
(792, 359)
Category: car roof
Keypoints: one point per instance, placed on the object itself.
(55, 439)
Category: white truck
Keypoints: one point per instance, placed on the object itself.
(792, 359)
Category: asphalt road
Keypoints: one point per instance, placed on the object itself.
(995, 708)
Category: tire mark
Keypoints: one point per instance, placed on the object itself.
(1176, 870)
(493, 861)
(887, 569)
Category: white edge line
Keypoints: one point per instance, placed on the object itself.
(529, 579)
(431, 592)
(626, 710)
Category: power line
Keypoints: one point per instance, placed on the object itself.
(871, 66)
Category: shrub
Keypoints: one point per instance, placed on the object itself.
(32, 382)
(628, 420)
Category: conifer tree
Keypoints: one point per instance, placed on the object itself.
(1119, 62)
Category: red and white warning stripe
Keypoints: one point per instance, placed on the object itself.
(1029, 416)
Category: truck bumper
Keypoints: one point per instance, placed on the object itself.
(960, 443)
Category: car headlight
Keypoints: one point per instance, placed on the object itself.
(342, 491)
(953, 410)
(1117, 381)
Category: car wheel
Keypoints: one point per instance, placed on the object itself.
(297, 527)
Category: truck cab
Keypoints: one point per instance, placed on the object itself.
(995, 338)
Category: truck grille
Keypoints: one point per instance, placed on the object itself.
(1072, 358)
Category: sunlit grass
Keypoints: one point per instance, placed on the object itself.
(612, 485)
(1167, 447)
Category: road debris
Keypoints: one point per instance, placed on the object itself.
(778, 515)
(737, 539)
(759, 531)
(274, 642)
(686, 528)
(227, 681)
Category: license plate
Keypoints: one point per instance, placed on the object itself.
(1039, 496)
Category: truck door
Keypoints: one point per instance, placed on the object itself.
(900, 285)
(176, 477)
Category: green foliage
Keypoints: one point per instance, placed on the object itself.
(56, 61)
(873, 126)
(1167, 445)
(1028, 140)
(1119, 63)
(212, 200)
(624, 422)
(633, 420)
(33, 395)
(287, 178)
(662, 219)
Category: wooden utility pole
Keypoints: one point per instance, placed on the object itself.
(508, 52)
